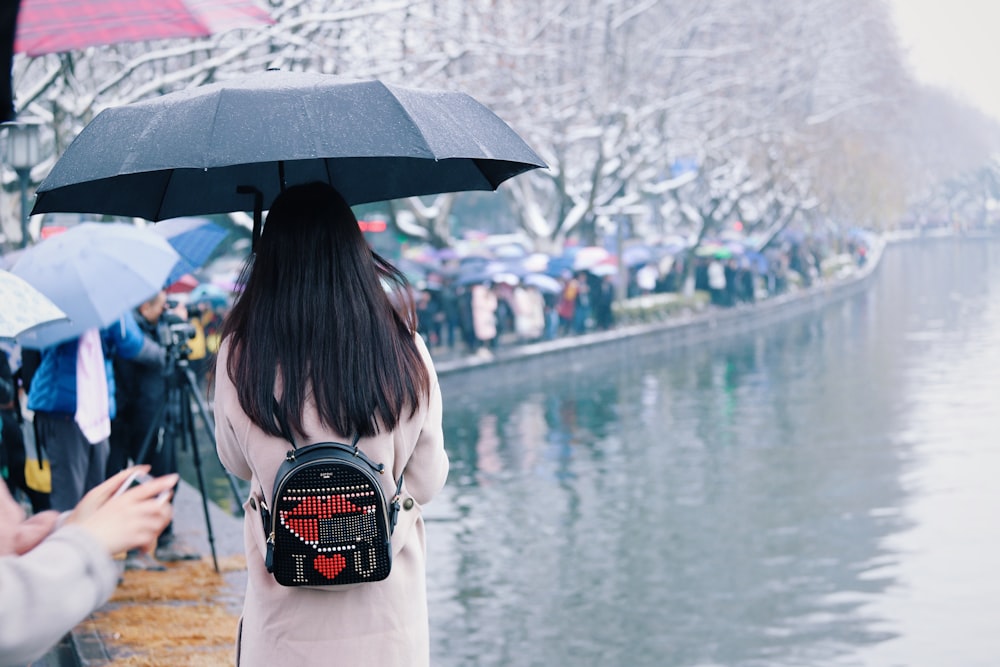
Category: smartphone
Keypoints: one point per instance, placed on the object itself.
(135, 479)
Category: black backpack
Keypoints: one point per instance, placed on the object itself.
(328, 522)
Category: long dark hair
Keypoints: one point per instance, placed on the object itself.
(315, 311)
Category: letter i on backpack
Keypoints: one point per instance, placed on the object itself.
(328, 522)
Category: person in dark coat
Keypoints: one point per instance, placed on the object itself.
(141, 391)
(12, 438)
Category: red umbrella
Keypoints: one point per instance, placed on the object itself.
(183, 285)
(54, 26)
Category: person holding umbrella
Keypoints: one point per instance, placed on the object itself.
(73, 399)
(315, 342)
(94, 273)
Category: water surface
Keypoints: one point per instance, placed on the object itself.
(820, 492)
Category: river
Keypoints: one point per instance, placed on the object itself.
(819, 492)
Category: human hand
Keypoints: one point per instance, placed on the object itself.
(131, 520)
(17, 534)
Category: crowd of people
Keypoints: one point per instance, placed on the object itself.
(472, 314)
(95, 404)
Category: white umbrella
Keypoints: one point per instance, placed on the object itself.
(604, 269)
(24, 307)
(536, 262)
(589, 256)
(543, 283)
(94, 272)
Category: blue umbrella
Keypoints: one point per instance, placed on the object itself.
(94, 273)
(637, 255)
(194, 239)
(213, 295)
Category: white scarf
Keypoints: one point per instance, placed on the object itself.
(92, 408)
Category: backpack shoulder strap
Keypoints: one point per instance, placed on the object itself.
(286, 432)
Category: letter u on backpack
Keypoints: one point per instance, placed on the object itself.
(328, 522)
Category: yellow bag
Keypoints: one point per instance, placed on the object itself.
(38, 477)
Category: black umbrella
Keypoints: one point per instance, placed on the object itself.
(235, 145)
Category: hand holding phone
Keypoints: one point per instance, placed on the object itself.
(121, 521)
(135, 479)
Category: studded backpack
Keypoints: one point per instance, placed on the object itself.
(329, 522)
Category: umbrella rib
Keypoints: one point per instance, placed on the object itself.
(409, 116)
(163, 195)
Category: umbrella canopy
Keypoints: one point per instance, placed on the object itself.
(194, 239)
(637, 255)
(603, 269)
(8, 259)
(716, 250)
(54, 26)
(536, 262)
(476, 273)
(94, 272)
(233, 146)
(213, 295)
(182, 285)
(24, 307)
(589, 256)
(543, 283)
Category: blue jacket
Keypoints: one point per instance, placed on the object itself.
(53, 387)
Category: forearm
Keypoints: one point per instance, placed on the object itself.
(49, 590)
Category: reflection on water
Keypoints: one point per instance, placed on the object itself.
(817, 493)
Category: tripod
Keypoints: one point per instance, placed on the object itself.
(175, 421)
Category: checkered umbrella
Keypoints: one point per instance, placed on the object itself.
(54, 26)
(24, 307)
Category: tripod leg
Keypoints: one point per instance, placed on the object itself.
(154, 429)
(187, 427)
(209, 423)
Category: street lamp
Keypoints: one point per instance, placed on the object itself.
(22, 153)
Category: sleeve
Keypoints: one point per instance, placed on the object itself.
(46, 592)
(131, 343)
(427, 469)
(227, 445)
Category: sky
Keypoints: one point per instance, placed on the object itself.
(954, 44)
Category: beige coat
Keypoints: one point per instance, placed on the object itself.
(484, 313)
(381, 623)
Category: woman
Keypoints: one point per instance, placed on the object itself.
(315, 338)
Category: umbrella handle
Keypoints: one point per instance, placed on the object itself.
(258, 211)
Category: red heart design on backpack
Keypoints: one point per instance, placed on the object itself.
(330, 566)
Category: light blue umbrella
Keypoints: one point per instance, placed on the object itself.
(213, 295)
(543, 283)
(24, 307)
(94, 272)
